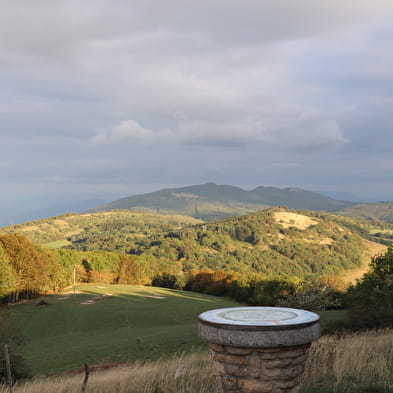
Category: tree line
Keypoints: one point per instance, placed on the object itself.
(27, 269)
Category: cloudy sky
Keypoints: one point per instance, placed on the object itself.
(104, 99)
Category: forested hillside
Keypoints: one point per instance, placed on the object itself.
(274, 241)
(113, 228)
(211, 201)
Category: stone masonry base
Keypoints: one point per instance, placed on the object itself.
(259, 370)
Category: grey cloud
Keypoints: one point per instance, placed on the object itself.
(310, 133)
(290, 131)
(54, 27)
(122, 93)
(217, 134)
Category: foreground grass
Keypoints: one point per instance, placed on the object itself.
(356, 362)
(361, 363)
(133, 323)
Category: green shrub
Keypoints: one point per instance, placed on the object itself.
(315, 295)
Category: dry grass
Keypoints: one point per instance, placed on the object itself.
(148, 377)
(361, 358)
(287, 219)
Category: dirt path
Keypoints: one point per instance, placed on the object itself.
(96, 299)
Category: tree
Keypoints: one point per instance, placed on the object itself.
(166, 280)
(382, 265)
(7, 279)
(371, 299)
(28, 264)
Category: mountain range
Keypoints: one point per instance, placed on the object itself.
(211, 201)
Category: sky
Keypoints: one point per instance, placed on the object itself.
(105, 99)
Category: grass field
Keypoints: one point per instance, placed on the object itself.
(133, 322)
(124, 323)
(350, 363)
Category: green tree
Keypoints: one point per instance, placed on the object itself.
(166, 280)
(371, 299)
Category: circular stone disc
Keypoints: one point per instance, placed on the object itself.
(258, 316)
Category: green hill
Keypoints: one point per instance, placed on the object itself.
(113, 227)
(370, 211)
(273, 241)
(211, 201)
(296, 198)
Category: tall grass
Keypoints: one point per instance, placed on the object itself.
(139, 377)
(352, 362)
(356, 362)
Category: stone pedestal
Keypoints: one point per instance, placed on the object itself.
(259, 349)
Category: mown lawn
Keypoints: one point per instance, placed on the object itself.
(135, 322)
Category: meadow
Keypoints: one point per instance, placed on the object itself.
(112, 324)
(109, 324)
(351, 363)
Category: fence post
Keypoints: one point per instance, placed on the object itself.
(87, 372)
(8, 365)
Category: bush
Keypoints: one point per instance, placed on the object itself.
(316, 295)
(270, 291)
(166, 280)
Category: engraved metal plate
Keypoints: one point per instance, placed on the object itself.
(258, 316)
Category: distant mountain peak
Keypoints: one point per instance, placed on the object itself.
(210, 201)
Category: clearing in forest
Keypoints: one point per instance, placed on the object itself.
(287, 219)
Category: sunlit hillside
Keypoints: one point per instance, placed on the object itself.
(124, 224)
(273, 241)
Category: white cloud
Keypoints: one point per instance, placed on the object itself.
(125, 131)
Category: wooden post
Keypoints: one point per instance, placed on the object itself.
(87, 372)
(8, 364)
(74, 274)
